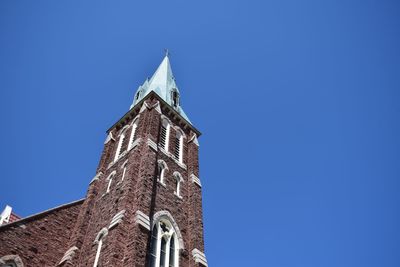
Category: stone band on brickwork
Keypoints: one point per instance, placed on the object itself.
(195, 179)
(117, 219)
(199, 257)
(96, 177)
(165, 214)
(194, 140)
(142, 219)
(69, 254)
(152, 144)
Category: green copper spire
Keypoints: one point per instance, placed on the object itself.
(163, 84)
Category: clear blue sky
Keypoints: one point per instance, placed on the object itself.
(298, 102)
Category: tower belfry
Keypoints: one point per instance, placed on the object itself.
(144, 205)
(142, 208)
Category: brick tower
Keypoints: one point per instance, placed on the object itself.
(144, 207)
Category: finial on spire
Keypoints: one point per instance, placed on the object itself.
(166, 52)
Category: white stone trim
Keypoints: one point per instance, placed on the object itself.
(135, 144)
(5, 215)
(96, 177)
(199, 257)
(170, 155)
(194, 140)
(101, 235)
(148, 106)
(116, 219)
(195, 179)
(152, 144)
(14, 258)
(142, 219)
(164, 214)
(109, 138)
(179, 181)
(68, 255)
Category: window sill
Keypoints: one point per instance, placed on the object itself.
(170, 155)
(162, 183)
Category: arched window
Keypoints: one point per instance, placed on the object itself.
(11, 261)
(110, 180)
(164, 134)
(132, 138)
(164, 251)
(123, 170)
(118, 152)
(178, 153)
(178, 181)
(99, 240)
(175, 98)
(162, 167)
(138, 94)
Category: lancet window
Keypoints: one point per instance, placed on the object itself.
(164, 245)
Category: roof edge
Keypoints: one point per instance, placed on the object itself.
(138, 105)
(33, 216)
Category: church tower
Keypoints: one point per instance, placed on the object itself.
(144, 207)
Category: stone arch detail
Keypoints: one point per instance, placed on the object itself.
(13, 258)
(164, 214)
(101, 235)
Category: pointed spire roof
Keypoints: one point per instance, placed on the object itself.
(163, 83)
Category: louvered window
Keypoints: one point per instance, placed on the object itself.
(164, 137)
(133, 136)
(119, 147)
(177, 148)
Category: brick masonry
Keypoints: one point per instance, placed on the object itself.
(126, 243)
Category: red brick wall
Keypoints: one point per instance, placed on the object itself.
(40, 240)
(127, 243)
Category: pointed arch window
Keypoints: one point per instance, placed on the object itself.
(123, 170)
(119, 147)
(99, 241)
(175, 98)
(178, 153)
(162, 167)
(178, 181)
(110, 180)
(138, 94)
(132, 137)
(164, 246)
(164, 134)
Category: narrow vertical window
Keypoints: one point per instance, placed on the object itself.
(132, 138)
(175, 98)
(153, 246)
(178, 181)
(138, 94)
(118, 152)
(172, 252)
(96, 260)
(110, 180)
(163, 252)
(99, 241)
(164, 135)
(178, 153)
(162, 166)
(123, 173)
(164, 245)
